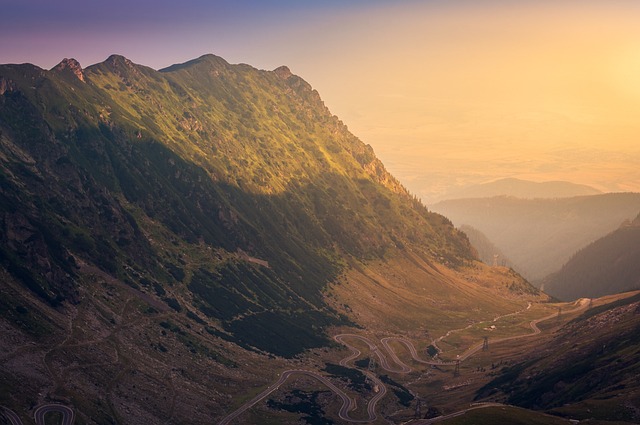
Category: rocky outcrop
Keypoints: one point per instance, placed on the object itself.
(6, 85)
(71, 66)
(283, 72)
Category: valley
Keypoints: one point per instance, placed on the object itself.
(454, 370)
(538, 236)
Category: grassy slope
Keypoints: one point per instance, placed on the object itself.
(504, 415)
(411, 294)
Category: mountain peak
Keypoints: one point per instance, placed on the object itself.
(70, 65)
(283, 72)
(118, 61)
(213, 60)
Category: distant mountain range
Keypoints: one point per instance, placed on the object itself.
(540, 235)
(607, 266)
(522, 189)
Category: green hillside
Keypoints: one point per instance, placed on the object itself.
(132, 169)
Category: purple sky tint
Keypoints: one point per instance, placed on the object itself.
(156, 33)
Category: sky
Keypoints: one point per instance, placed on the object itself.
(448, 92)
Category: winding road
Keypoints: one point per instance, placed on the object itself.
(68, 415)
(349, 404)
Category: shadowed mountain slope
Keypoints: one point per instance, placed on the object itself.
(487, 251)
(588, 370)
(607, 266)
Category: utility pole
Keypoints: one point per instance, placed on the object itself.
(456, 372)
(485, 344)
(559, 313)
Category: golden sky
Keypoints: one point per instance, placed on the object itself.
(474, 91)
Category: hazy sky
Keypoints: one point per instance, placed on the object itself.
(447, 92)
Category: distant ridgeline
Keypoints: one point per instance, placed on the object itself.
(539, 235)
(221, 190)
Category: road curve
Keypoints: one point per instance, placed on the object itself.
(381, 356)
(382, 359)
(11, 416)
(68, 416)
(348, 404)
(581, 304)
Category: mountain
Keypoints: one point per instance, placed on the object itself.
(488, 253)
(607, 266)
(173, 240)
(540, 235)
(106, 165)
(522, 189)
(587, 371)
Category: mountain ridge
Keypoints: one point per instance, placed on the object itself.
(520, 188)
(606, 266)
(132, 142)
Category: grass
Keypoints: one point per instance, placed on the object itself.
(504, 415)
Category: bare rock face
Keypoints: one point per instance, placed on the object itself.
(5, 85)
(283, 72)
(70, 65)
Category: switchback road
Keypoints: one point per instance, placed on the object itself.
(349, 404)
(68, 416)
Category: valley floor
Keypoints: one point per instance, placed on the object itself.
(426, 379)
